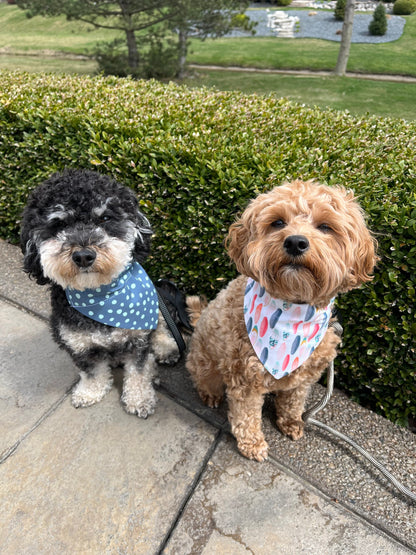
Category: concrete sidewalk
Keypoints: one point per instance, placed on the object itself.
(98, 480)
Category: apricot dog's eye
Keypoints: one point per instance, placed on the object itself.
(325, 228)
(278, 224)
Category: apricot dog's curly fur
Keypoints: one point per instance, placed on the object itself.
(337, 254)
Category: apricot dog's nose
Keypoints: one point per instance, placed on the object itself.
(295, 245)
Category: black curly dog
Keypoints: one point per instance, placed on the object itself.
(80, 230)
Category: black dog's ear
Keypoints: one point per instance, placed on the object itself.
(31, 262)
(31, 256)
(143, 237)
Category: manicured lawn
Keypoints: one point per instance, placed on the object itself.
(18, 33)
(23, 43)
(391, 57)
(48, 64)
(359, 96)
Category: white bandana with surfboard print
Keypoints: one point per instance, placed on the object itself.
(283, 334)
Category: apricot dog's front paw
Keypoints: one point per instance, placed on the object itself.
(290, 427)
(211, 400)
(256, 450)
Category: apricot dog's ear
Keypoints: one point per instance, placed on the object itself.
(364, 245)
(365, 261)
(237, 240)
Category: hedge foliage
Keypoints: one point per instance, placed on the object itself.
(404, 7)
(195, 158)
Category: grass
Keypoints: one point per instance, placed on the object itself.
(264, 52)
(358, 96)
(48, 64)
(20, 34)
(28, 45)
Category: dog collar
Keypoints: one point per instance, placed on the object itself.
(283, 334)
(129, 302)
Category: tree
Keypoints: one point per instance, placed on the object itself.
(344, 49)
(202, 19)
(128, 16)
(378, 25)
(339, 12)
(161, 19)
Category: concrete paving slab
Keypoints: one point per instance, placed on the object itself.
(339, 471)
(335, 469)
(330, 464)
(176, 382)
(34, 374)
(98, 480)
(16, 286)
(243, 507)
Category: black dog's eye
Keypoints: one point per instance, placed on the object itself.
(278, 224)
(55, 224)
(104, 218)
(55, 221)
(325, 228)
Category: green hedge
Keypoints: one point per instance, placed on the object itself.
(195, 158)
(404, 7)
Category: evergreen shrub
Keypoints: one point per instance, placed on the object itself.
(404, 7)
(196, 156)
(378, 25)
(157, 59)
(339, 12)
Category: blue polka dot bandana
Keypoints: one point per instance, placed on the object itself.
(129, 302)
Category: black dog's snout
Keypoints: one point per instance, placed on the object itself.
(295, 245)
(84, 258)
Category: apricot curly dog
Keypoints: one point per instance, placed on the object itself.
(296, 247)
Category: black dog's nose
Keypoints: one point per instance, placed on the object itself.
(295, 245)
(84, 258)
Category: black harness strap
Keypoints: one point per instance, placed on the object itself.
(171, 324)
(174, 297)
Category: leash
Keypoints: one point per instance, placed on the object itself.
(307, 418)
(171, 324)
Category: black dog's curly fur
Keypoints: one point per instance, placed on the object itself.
(80, 209)
(79, 191)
